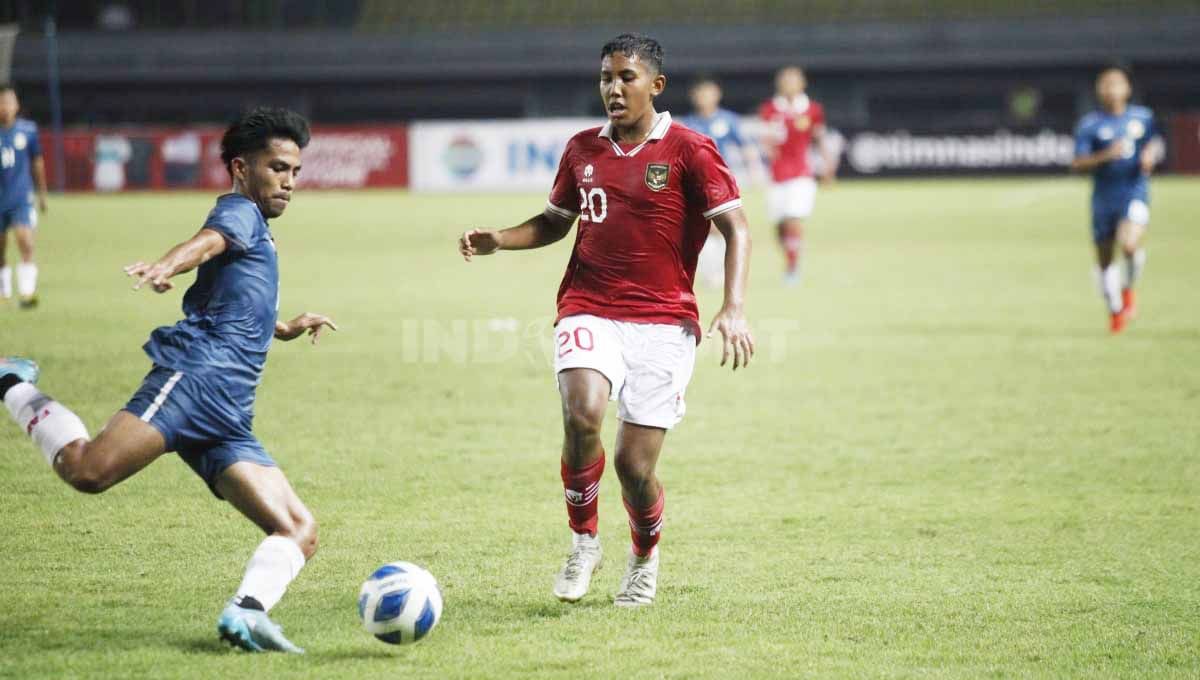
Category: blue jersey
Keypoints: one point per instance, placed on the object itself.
(230, 311)
(724, 127)
(19, 145)
(1118, 181)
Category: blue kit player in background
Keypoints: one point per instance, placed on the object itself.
(725, 128)
(198, 399)
(1120, 145)
(22, 177)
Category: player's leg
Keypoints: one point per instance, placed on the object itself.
(27, 271)
(651, 404)
(6, 272)
(791, 238)
(585, 394)
(124, 446)
(261, 492)
(590, 372)
(1131, 233)
(1107, 273)
(638, 448)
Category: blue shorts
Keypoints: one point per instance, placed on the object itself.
(23, 213)
(1106, 217)
(197, 418)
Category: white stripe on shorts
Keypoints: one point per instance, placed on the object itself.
(162, 396)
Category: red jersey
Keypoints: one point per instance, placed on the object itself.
(791, 123)
(643, 216)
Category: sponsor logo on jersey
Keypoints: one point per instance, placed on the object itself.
(802, 123)
(588, 171)
(1135, 129)
(19, 141)
(656, 176)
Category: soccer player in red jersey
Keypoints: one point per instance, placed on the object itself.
(794, 122)
(644, 190)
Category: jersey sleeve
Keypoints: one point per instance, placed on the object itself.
(564, 195)
(1083, 138)
(710, 182)
(236, 224)
(35, 143)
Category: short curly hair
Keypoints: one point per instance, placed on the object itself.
(255, 129)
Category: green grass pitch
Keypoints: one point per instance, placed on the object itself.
(940, 464)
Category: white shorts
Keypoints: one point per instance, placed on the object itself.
(791, 199)
(648, 365)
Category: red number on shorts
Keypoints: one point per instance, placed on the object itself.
(580, 333)
(591, 343)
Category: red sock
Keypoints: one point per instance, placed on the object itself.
(582, 490)
(645, 524)
(792, 247)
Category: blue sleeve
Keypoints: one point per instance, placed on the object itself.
(236, 223)
(35, 144)
(735, 129)
(1083, 138)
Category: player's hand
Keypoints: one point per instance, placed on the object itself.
(158, 275)
(1148, 160)
(478, 242)
(828, 180)
(735, 334)
(43, 206)
(1113, 151)
(313, 323)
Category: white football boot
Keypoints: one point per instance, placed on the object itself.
(640, 582)
(576, 575)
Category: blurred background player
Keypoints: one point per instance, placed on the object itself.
(198, 398)
(644, 190)
(22, 171)
(1119, 145)
(723, 127)
(794, 122)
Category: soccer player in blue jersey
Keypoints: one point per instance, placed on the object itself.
(198, 399)
(1120, 145)
(22, 172)
(725, 128)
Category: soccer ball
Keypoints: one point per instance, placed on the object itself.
(400, 603)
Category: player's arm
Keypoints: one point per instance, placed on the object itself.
(185, 257)
(313, 323)
(1152, 154)
(535, 232)
(39, 181)
(731, 320)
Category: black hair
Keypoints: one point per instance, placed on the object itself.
(703, 79)
(645, 48)
(1119, 67)
(255, 129)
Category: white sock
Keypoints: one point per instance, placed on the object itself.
(26, 278)
(1134, 265)
(271, 568)
(51, 425)
(1108, 281)
(6, 281)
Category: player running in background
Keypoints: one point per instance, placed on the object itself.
(644, 190)
(198, 398)
(725, 128)
(793, 123)
(1120, 145)
(22, 171)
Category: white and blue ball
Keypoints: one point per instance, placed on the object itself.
(400, 603)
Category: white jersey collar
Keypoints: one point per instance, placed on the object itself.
(662, 124)
(797, 105)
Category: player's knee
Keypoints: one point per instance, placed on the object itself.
(583, 417)
(80, 473)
